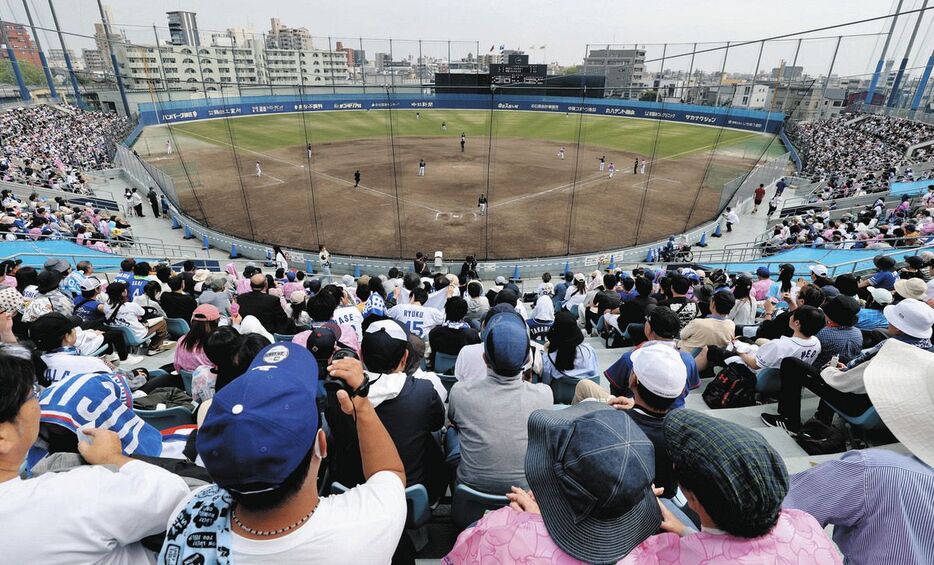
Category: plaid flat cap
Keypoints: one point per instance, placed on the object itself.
(746, 474)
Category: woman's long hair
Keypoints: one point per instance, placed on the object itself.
(785, 274)
(198, 335)
(115, 292)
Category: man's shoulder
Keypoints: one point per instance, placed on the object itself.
(881, 459)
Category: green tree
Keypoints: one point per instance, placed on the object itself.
(649, 96)
(32, 75)
(572, 70)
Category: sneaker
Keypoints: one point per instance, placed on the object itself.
(166, 345)
(778, 421)
(112, 358)
(132, 360)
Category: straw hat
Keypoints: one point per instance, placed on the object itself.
(898, 381)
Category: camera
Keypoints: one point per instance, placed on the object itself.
(334, 384)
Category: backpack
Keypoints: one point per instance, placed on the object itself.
(733, 387)
(818, 438)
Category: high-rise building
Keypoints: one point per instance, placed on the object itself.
(57, 60)
(101, 40)
(283, 37)
(355, 57)
(21, 43)
(623, 69)
(183, 28)
(94, 61)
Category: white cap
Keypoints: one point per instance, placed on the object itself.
(818, 269)
(392, 328)
(879, 295)
(912, 317)
(660, 370)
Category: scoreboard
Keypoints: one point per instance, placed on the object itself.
(505, 74)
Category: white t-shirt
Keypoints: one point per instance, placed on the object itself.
(350, 316)
(770, 354)
(87, 515)
(62, 365)
(573, 297)
(363, 525)
(129, 315)
(418, 319)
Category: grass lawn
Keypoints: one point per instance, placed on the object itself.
(646, 137)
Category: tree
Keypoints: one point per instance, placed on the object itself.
(572, 70)
(32, 75)
(649, 96)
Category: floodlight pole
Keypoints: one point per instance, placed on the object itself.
(885, 48)
(893, 96)
(23, 91)
(113, 59)
(45, 63)
(71, 72)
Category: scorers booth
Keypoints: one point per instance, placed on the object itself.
(524, 80)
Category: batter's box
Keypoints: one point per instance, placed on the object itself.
(455, 217)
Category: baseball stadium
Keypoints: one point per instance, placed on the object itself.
(546, 295)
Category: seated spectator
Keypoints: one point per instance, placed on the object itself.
(346, 314)
(49, 298)
(142, 274)
(803, 344)
(179, 304)
(27, 281)
(743, 312)
(56, 356)
(298, 318)
(264, 307)
(267, 501)
(915, 269)
(189, 353)
(842, 386)
(774, 326)
(657, 380)
(735, 481)
(661, 327)
(120, 312)
(454, 333)
(491, 413)
(541, 319)
(409, 408)
(604, 298)
(763, 284)
(870, 315)
(885, 274)
(568, 355)
(230, 353)
(477, 304)
(715, 328)
(86, 305)
(71, 284)
(101, 511)
(415, 316)
(149, 299)
(575, 294)
(839, 337)
(878, 500)
(632, 311)
(572, 458)
(679, 303)
(910, 288)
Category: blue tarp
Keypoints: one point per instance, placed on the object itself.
(837, 261)
(910, 188)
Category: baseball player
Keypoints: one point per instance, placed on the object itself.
(561, 153)
(642, 167)
(356, 178)
(602, 162)
(168, 147)
(444, 126)
(418, 115)
(611, 169)
(309, 150)
(421, 167)
(259, 170)
(463, 141)
(635, 167)
(481, 202)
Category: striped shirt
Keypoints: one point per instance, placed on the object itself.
(880, 503)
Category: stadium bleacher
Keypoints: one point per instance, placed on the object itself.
(157, 392)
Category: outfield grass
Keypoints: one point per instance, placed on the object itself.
(646, 137)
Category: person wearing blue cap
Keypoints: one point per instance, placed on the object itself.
(263, 446)
(490, 413)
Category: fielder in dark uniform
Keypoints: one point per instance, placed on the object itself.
(356, 178)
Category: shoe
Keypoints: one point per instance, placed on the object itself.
(166, 345)
(778, 421)
(112, 358)
(132, 360)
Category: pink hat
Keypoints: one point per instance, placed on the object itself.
(206, 313)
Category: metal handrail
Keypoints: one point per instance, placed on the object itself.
(141, 246)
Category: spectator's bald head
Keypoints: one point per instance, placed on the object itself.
(258, 281)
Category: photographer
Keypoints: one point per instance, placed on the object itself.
(265, 506)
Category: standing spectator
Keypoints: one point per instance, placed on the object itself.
(137, 202)
(731, 218)
(264, 495)
(491, 414)
(758, 196)
(154, 202)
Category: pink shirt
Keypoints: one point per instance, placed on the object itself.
(510, 536)
(760, 289)
(189, 360)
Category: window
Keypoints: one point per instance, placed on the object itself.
(188, 60)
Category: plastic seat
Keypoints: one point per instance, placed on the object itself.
(448, 381)
(416, 502)
(444, 363)
(129, 337)
(283, 337)
(868, 420)
(469, 505)
(177, 327)
(186, 380)
(768, 381)
(168, 418)
(563, 388)
(100, 350)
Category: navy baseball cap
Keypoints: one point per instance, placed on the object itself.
(261, 426)
(506, 343)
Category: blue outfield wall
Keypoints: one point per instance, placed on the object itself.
(190, 110)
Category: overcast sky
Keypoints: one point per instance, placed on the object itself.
(564, 28)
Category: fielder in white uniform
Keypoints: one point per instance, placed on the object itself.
(602, 162)
(642, 167)
(612, 169)
(561, 153)
(168, 147)
(259, 170)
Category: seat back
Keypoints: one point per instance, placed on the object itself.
(563, 388)
(448, 381)
(168, 418)
(444, 363)
(177, 327)
(187, 377)
(283, 337)
(868, 420)
(128, 336)
(469, 505)
(416, 502)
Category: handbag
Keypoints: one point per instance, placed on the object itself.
(818, 438)
(733, 387)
